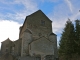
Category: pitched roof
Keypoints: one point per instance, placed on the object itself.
(6, 40)
(33, 14)
(36, 13)
(40, 38)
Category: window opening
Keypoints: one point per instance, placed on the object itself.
(42, 22)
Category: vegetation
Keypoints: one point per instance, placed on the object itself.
(70, 40)
(77, 34)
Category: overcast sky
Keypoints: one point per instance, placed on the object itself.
(13, 13)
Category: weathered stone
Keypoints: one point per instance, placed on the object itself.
(36, 40)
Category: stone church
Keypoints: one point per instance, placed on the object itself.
(36, 40)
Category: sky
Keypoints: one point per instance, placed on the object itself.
(14, 12)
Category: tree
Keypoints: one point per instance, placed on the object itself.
(77, 34)
(67, 41)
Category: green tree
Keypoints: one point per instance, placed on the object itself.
(67, 43)
(77, 34)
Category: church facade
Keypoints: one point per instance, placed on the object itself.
(36, 40)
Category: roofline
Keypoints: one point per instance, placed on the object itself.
(32, 14)
(39, 38)
(6, 39)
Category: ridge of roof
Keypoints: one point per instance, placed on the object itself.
(32, 14)
(6, 39)
(36, 12)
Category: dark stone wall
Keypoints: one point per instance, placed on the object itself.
(38, 23)
(17, 47)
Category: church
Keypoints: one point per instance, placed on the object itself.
(36, 40)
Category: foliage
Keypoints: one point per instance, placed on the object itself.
(77, 34)
(67, 41)
(70, 41)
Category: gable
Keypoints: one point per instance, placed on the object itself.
(37, 21)
(7, 41)
(42, 46)
(39, 14)
(42, 40)
(37, 18)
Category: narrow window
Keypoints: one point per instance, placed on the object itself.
(42, 22)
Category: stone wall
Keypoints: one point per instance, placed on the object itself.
(7, 56)
(29, 58)
(53, 38)
(6, 46)
(34, 39)
(17, 47)
(26, 39)
(38, 23)
(41, 47)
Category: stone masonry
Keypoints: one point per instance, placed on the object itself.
(36, 40)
